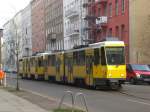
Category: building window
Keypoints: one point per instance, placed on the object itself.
(117, 31)
(110, 9)
(105, 10)
(122, 32)
(110, 32)
(116, 7)
(123, 6)
(99, 11)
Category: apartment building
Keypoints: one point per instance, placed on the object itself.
(38, 26)
(26, 39)
(54, 25)
(74, 23)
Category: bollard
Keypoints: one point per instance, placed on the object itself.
(4, 81)
(0, 81)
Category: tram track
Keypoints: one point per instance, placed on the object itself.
(133, 96)
(121, 92)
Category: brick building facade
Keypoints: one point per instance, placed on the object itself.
(38, 28)
(109, 18)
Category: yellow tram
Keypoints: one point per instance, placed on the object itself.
(98, 64)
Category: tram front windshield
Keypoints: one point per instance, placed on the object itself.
(115, 55)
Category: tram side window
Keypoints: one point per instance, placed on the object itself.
(40, 63)
(103, 58)
(23, 65)
(49, 60)
(81, 57)
(96, 56)
(45, 62)
(75, 56)
(53, 60)
(29, 64)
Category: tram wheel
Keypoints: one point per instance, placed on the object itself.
(115, 86)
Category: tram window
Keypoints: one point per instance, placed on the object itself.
(81, 57)
(75, 56)
(66, 61)
(49, 60)
(40, 63)
(103, 58)
(53, 60)
(96, 56)
(31, 62)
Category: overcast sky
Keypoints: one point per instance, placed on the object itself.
(8, 8)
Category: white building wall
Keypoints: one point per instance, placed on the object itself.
(8, 56)
(74, 23)
(12, 36)
(26, 40)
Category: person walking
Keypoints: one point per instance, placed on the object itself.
(2, 76)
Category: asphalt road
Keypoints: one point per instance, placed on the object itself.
(133, 98)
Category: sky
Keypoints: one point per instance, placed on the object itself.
(8, 8)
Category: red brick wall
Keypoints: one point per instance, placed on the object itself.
(38, 32)
(118, 23)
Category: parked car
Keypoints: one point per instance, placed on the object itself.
(138, 73)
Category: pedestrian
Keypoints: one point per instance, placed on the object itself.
(2, 76)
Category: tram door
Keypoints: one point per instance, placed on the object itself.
(89, 70)
(70, 70)
(58, 63)
(103, 63)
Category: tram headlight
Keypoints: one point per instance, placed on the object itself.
(138, 75)
(122, 75)
(110, 75)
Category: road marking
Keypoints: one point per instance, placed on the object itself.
(135, 101)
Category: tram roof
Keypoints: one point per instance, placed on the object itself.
(98, 45)
(95, 45)
(107, 43)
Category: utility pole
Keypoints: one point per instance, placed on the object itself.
(16, 52)
(81, 35)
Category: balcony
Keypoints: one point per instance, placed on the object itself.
(90, 17)
(101, 1)
(88, 3)
(52, 36)
(72, 12)
(102, 21)
(85, 5)
(72, 30)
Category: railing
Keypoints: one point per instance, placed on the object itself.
(62, 99)
(73, 28)
(82, 98)
(102, 20)
(72, 12)
(101, 1)
(74, 99)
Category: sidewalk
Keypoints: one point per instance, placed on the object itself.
(12, 103)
